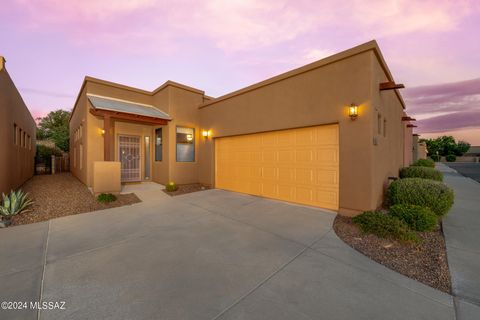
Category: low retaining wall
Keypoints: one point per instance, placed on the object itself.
(106, 177)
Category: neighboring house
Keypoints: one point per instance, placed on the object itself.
(472, 155)
(17, 135)
(474, 151)
(419, 149)
(290, 137)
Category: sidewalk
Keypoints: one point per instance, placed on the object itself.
(462, 235)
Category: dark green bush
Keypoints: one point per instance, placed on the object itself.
(424, 163)
(416, 217)
(171, 186)
(451, 158)
(422, 192)
(435, 157)
(385, 226)
(106, 197)
(421, 172)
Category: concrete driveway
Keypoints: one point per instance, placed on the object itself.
(206, 255)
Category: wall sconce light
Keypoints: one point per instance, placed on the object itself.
(353, 111)
(206, 133)
(102, 131)
(189, 137)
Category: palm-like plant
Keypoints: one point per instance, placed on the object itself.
(14, 203)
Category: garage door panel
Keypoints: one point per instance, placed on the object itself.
(297, 165)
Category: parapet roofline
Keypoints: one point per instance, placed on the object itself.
(371, 45)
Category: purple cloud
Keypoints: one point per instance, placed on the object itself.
(460, 100)
(452, 121)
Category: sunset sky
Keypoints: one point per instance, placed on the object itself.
(433, 47)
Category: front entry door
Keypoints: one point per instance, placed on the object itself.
(129, 154)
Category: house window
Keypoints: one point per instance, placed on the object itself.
(384, 127)
(158, 144)
(29, 142)
(147, 158)
(24, 139)
(75, 157)
(80, 160)
(379, 123)
(15, 132)
(20, 143)
(185, 144)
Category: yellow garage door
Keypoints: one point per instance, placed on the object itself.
(296, 165)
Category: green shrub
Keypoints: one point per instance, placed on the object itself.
(424, 163)
(451, 158)
(171, 186)
(416, 217)
(385, 226)
(106, 197)
(421, 172)
(14, 203)
(435, 157)
(422, 192)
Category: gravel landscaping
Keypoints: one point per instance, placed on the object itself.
(425, 262)
(187, 188)
(63, 195)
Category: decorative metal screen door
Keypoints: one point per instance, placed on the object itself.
(129, 149)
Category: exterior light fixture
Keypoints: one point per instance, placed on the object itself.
(206, 133)
(102, 131)
(189, 137)
(353, 111)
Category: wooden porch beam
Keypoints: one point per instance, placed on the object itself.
(407, 118)
(411, 126)
(128, 117)
(390, 85)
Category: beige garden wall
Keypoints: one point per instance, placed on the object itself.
(17, 157)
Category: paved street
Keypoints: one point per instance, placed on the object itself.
(467, 169)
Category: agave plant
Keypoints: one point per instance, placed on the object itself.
(14, 203)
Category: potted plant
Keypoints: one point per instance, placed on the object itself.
(13, 204)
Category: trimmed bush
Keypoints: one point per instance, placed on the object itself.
(451, 158)
(421, 172)
(416, 217)
(422, 192)
(385, 226)
(171, 186)
(424, 163)
(106, 198)
(435, 157)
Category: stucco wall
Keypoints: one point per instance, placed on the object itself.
(16, 162)
(184, 111)
(389, 142)
(78, 121)
(319, 96)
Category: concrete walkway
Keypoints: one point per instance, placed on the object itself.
(462, 235)
(206, 255)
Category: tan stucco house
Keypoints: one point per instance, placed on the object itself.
(329, 134)
(17, 135)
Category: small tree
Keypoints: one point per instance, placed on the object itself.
(446, 145)
(54, 126)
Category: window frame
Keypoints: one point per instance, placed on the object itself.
(161, 144)
(194, 147)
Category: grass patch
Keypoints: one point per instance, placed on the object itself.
(106, 198)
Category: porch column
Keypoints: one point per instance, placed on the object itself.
(107, 137)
